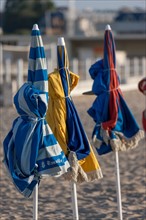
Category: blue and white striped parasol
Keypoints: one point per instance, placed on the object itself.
(30, 148)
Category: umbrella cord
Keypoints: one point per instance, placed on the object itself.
(109, 69)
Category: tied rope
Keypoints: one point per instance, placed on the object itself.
(31, 118)
(64, 67)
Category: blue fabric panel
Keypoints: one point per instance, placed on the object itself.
(36, 52)
(49, 140)
(35, 33)
(39, 75)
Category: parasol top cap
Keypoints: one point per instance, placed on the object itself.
(35, 27)
(108, 27)
(61, 41)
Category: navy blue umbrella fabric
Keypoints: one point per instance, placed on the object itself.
(30, 148)
(77, 139)
(116, 128)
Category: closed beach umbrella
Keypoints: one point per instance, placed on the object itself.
(116, 128)
(65, 123)
(142, 88)
(30, 148)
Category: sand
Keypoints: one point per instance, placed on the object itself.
(96, 200)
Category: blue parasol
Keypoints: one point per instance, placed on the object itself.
(30, 148)
(116, 128)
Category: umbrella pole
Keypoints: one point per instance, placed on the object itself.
(74, 201)
(35, 203)
(118, 186)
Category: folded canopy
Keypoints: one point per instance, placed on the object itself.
(116, 128)
(65, 122)
(30, 148)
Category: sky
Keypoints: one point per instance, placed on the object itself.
(96, 4)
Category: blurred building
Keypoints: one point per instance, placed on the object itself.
(127, 22)
(54, 22)
(87, 20)
(128, 26)
(84, 30)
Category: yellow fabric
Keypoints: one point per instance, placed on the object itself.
(56, 118)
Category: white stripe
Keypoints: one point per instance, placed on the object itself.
(39, 63)
(36, 41)
(22, 103)
(46, 130)
(44, 98)
(41, 85)
(50, 151)
(55, 171)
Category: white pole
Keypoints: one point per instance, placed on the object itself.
(143, 66)
(87, 66)
(61, 42)
(117, 173)
(7, 89)
(127, 68)
(75, 66)
(136, 66)
(50, 65)
(19, 73)
(8, 70)
(35, 192)
(1, 76)
(1, 64)
(118, 186)
(74, 201)
(53, 53)
(35, 203)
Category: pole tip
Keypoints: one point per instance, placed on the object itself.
(35, 27)
(108, 27)
(61, 41)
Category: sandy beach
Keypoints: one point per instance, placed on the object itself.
(96, 200)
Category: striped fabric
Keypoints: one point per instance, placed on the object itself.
(116, 128)
(30, 148)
